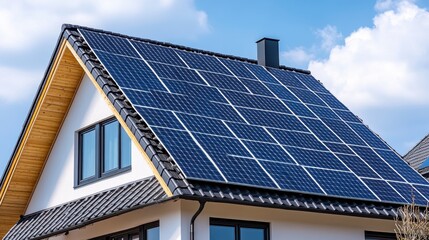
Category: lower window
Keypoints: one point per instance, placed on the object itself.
(148, 231)
(379, 236)
(226, 229)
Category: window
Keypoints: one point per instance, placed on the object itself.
(148, 231)
(379, 236)
(224, 229)
(103, 149)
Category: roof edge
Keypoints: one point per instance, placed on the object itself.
(181, 47)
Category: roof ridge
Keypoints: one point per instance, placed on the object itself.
(417, 146)
(180, 47)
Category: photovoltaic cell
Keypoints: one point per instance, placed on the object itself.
(203, 92)
(401, 166)
(244, 171)
(368, 136)
(338, 148)
(272, 119)
(238, 68)
(383, 190)
(377, 163)
(253, 101)
(245, 131)
(176, 73)
(347, 116)
(297, 139)
(256, 87)
(292, 177)
(152, 52)
(331, 101)
(343, 131)
(203, 62)
(190, 157)
(341, 184)
(261, 73)
(307, 96)
(323, 112)
(268, 151)
(316, 158)
(320, 130)
(311, 83)
(109, 43)
(357, 166)
(158, 117)
(299, 109)
(204, 125)
(224, 82)
(409, 193)
(281, 92)
(287, 78)
(130, 72)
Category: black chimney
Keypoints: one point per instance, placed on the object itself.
(268, 52)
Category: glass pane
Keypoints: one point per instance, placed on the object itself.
(135, 237)
(88, 154)
(222, 232)
(125, 149)
(251, 234)
(111, 146)
(153, 233)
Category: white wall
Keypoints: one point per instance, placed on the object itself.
(175, 217)
(56, 184)
(286, 224)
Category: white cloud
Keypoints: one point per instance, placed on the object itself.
(17, 84)
(297, 56)
(26, 23)
(330, 37)
(383, 65)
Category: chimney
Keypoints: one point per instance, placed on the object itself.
(268, 52)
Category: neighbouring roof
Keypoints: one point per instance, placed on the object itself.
(418, 156)
(83, 211)
(190, 156)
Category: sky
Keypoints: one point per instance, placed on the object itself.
(372, 55)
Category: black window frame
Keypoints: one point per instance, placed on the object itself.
(99, 151)
(237, 224)
(370, 235)
(140, 230)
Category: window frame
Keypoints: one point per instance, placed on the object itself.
(237, 224)
(140, 230)
(369, 235)
(99, 153)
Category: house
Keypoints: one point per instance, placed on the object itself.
(130, 138)
(418, 157)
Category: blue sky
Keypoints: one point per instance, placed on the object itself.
(370, 54)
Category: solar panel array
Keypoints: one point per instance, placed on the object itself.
(231, 121)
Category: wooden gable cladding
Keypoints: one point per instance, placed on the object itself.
(41, 130)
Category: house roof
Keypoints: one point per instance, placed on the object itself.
(83, 211)
(170, 173)
(418, 154)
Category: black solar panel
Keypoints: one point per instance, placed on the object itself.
(235, 122)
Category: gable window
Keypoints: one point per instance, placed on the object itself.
(379, 236)
(148, 231)
(225, 229)
(103, 149)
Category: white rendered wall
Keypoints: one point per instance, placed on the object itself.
(285, 224)
(175, 216)
(56, 184)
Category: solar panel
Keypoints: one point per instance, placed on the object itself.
(236, 122)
